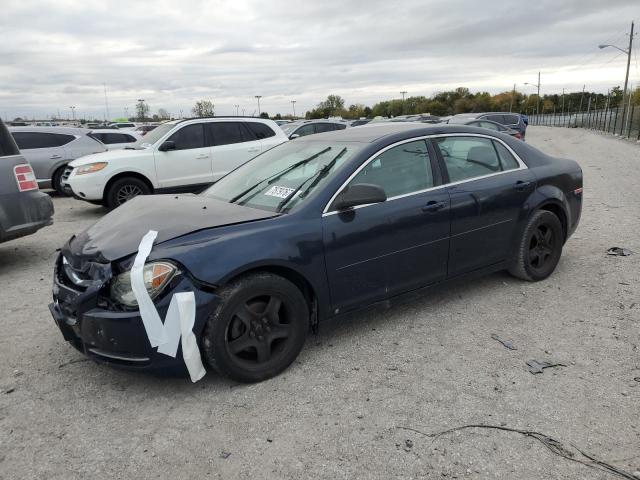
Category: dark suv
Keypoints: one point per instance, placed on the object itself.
(23, 208)
(511, 120)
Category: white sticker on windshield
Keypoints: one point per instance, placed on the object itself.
(280, 192)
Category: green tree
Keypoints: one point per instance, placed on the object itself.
(264, 115)
(142, 110)
(203, 108)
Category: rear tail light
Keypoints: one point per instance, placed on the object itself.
(25, 177)
(578, 191)
(518, 135)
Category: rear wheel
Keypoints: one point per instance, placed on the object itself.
(258, 328)
(540, 247)
(123, 190)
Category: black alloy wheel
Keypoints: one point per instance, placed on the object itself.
(123, 190)
(258, 328)
(539, 248)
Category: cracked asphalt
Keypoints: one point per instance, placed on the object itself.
(428, 363)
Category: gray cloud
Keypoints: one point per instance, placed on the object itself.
(58, 53)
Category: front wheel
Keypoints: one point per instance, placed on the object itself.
(540, 247)
(123, 190)
(56, 181)
(257, 329)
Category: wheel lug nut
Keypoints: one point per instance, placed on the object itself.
(264, 320)
(252, 334)
(268, 329)
(260, 337)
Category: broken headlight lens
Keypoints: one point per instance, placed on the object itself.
(156, 276)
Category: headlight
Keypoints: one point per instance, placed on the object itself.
(156, 276)
(90, 168)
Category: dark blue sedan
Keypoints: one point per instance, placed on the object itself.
(311, 229)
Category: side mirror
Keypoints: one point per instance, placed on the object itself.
(167, 145)
(359, 194)
(293, 135)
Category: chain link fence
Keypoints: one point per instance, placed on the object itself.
(619, 121)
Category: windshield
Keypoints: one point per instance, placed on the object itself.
(289, 127)
(153, 136)
(284, 176)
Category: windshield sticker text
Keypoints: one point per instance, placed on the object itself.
(280, 192)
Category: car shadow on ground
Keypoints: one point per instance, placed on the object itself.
(337, 333)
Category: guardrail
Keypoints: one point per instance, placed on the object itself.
(621, 122)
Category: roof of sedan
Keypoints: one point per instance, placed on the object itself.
(377, 131)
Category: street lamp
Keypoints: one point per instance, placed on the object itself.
(258, 97)
(293, 106)
(73, 112)
(403, 93)
(626, 77)
(237, 107)
(537, 85)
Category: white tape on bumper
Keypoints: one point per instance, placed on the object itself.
(181, 316)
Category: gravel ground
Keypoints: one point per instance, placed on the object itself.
(428, 363)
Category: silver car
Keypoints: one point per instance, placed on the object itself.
(49, 149)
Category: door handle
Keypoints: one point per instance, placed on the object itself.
(204, 155)
(253, 150)
(55, 157)
(521, 186)
(433, 206)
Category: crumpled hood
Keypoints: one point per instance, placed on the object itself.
(108, 155)
(118, 233)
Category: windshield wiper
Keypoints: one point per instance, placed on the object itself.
(277, 175)
(319, 175)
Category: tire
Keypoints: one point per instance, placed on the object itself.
(55, 181)
(125, 189)
(258, 328)
(539, 248)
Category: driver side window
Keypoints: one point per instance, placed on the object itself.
(400, 170)
(189, 137)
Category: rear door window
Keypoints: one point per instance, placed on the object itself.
(507, 160)
(496, 118)
(340, 126)
(324, 127)
(63, 138)
(32, 140)
(260, 130)
(511, 120)
(225, 133)
(189, 137)
(468, 157)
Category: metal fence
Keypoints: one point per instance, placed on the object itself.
(622, 122)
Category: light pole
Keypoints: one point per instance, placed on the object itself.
(403, 93)
(537, 85)
(626, 77)
(293, 106)
(73, 112)
(126, 113)
(258, 97)
(563, 101)
(513, 96)
(237, 108)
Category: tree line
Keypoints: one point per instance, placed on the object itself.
(462, 100)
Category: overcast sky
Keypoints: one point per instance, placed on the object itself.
(58, 53)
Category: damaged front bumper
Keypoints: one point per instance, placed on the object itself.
(117, 337)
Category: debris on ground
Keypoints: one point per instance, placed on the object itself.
(408, 445)
(619, 251)
(224, 454)
(572, 453)
(10, 390)
(536, 366)
(507, 343)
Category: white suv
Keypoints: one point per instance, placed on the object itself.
(177, 156)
